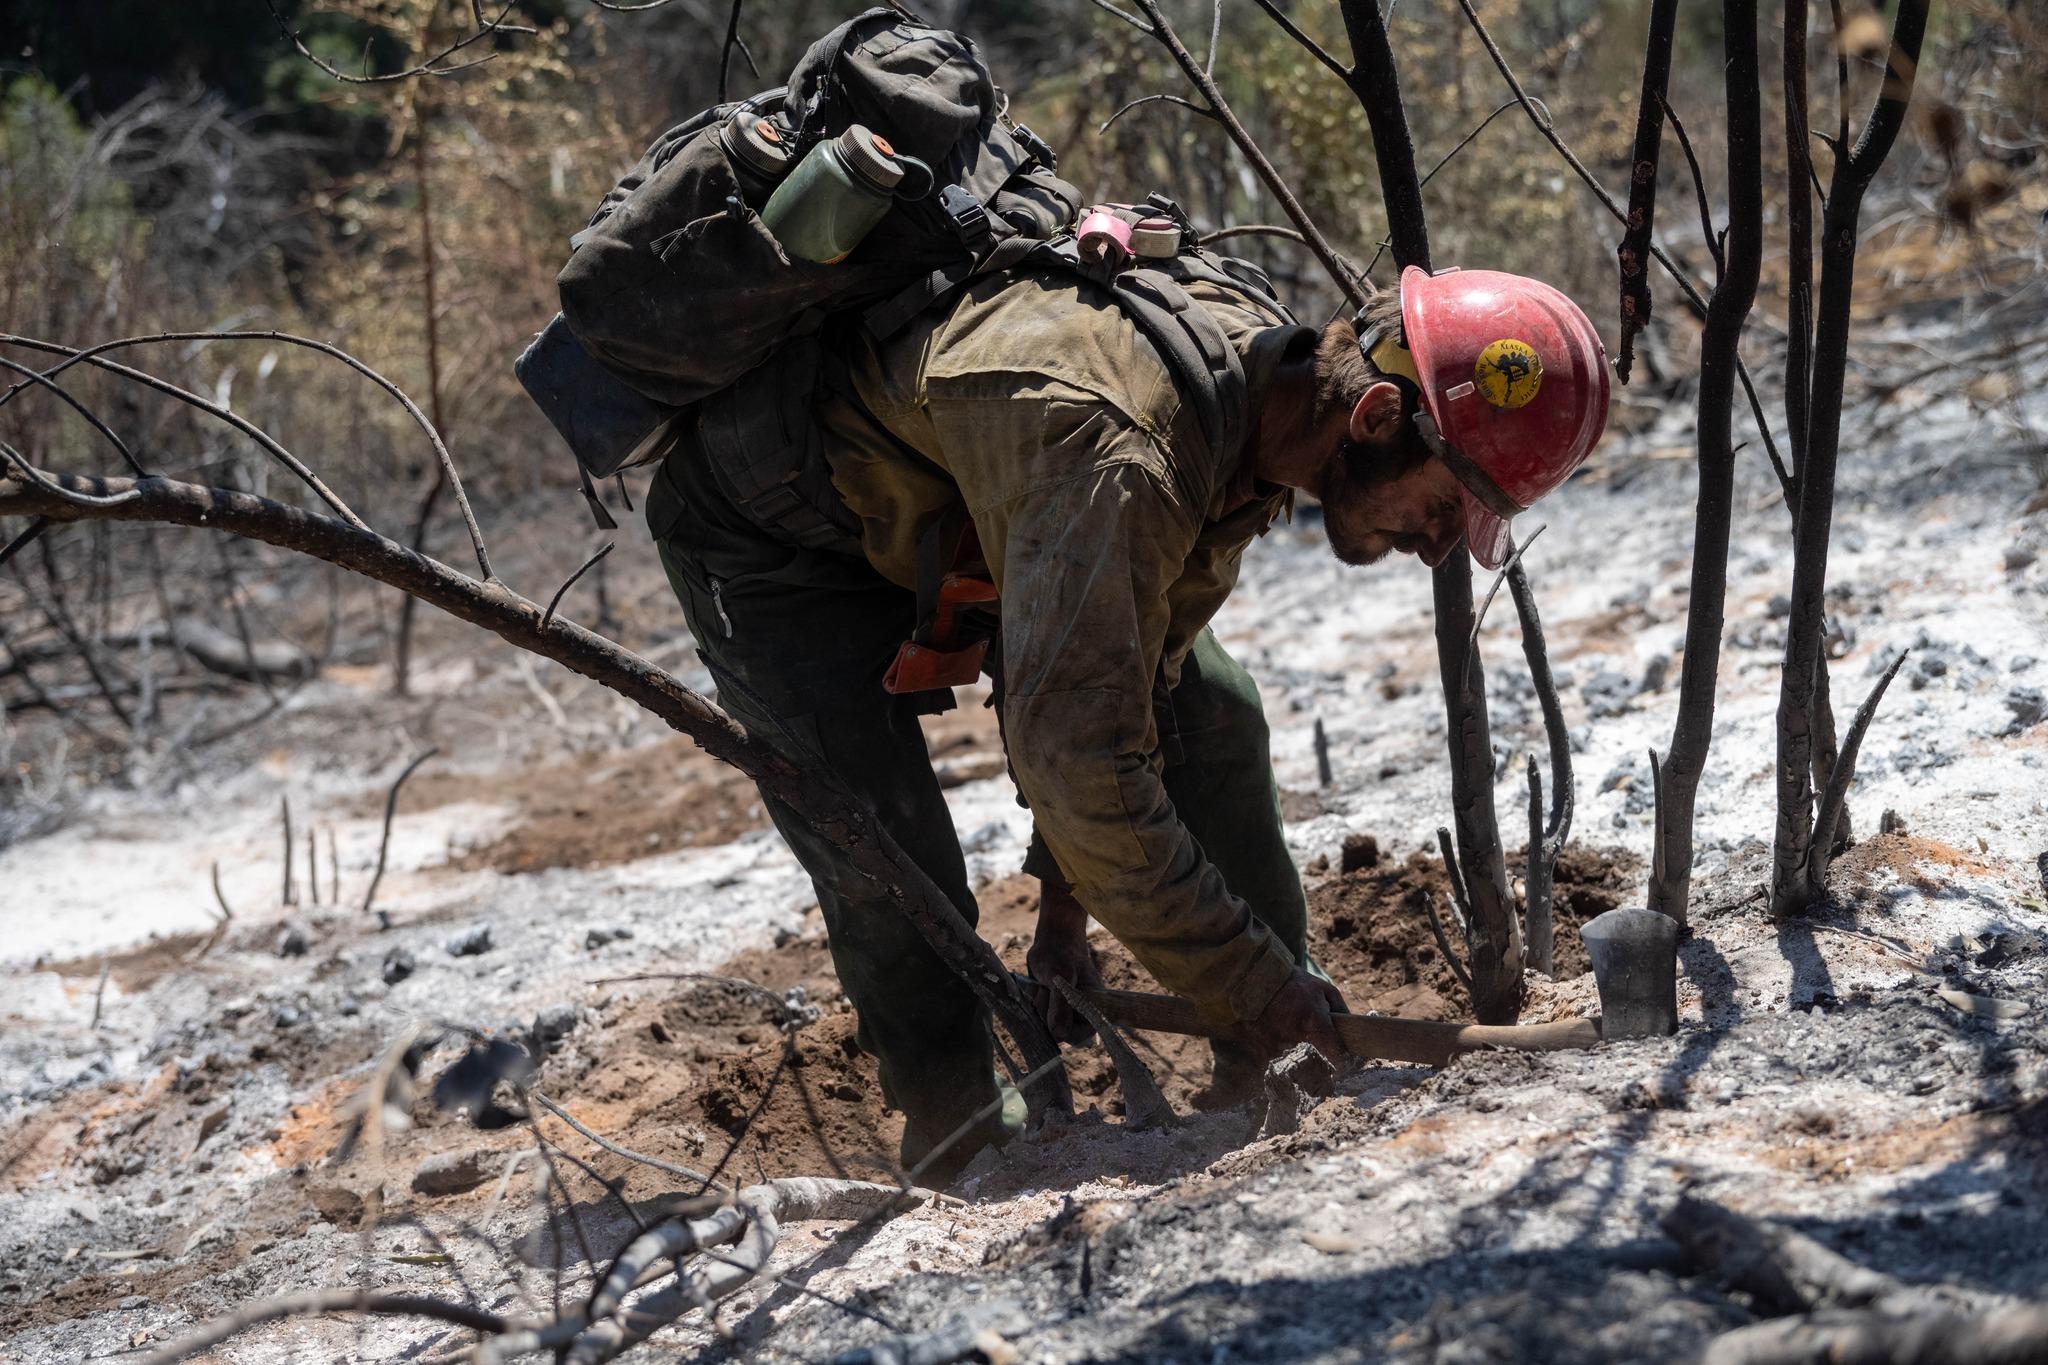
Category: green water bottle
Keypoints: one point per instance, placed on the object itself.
(835, 196)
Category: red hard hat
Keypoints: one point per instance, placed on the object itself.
(1515, 378)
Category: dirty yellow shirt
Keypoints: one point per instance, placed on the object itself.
(1113, 533)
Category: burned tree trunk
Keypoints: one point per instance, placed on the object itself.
(1799, 853)
(1727, 311)
(423, 519)
(1496, 964)
(1799, 191)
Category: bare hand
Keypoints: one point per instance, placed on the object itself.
(1060, 952)
(1300, 1013)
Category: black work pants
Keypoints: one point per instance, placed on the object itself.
(797, 642)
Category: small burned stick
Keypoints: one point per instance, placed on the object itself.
(285, 808)
(1558, 827)
(384, 843)
(1819, 849)
(313, 865)
(1322, 741)
(1443, 944)
(547, 617)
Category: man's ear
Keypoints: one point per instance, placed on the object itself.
(1376, 417)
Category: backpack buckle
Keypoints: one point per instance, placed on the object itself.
(1170, 209)
(970, 220)
(1041, 151)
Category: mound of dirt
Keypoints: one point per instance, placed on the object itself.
(1369, 928)
(696, 1069)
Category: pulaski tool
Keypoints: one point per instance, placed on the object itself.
(1635, 967)
(1363, 1035)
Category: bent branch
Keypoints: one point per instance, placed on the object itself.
(815, 796)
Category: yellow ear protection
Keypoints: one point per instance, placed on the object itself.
(1384, 349)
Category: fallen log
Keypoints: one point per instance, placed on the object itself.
(1787, 1272)
(1840, 1312)
(212, 649)
(2016, 1335)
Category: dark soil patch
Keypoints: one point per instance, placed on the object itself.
(697, 1071)
(1369, 928)
(593, 810)
(1918, 862)
(596, 809)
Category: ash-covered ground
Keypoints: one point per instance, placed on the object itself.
(170, 1109)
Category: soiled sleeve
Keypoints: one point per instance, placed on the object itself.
(1085, 552)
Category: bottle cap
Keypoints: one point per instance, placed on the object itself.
(869, 155)
(1155, 239)
(758, 142)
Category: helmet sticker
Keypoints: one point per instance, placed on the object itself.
(1508, 373)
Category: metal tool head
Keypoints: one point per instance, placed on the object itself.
(1635, 965)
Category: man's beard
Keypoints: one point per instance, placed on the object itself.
(1352, 475)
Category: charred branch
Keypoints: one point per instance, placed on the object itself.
(384, 840)
(1557, 827)
(815, 796)
(322, 1301)
(1821, 850)
(93, 356)
(1784, 1272)
(1634, 252)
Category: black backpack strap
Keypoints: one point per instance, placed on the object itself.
(892, 315)
(599, 513)
(988, 245)
(764, 448)
(1192, 343)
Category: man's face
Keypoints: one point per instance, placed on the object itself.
(1382, 492)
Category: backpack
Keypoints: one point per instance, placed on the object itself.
(685, 324)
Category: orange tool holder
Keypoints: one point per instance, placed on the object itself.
(935, 658)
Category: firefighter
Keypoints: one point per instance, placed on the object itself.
(1058, 438)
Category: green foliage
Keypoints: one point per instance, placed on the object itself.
(60, 205)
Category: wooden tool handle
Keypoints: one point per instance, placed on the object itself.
(1371, 1036)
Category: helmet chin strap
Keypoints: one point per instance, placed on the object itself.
(1477, 481)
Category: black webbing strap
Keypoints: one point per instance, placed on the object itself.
(892, 315)
(599, 513)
